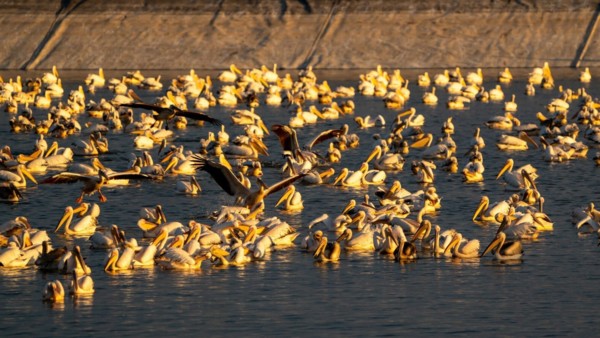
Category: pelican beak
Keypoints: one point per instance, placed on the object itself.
(506, 167)
(340, 177)
(168, 156)
(528, 139)
(327, 173)
(375, 152)
(482, 205)
(161, 214)
(495, 243)
(162, 235)
(26, 240)
(99, 164)
(321, 247)
(146, 225)
(316, 111)
(111, 261)
(453, 243)
(28, 175)
(262, 126)
(250, 235)
(419, 234)
(66, 218)
(171, 164)
(405, 113)
(528, 179)
(349, 207)
(356, 218)
(260, 146)
(285, 196)
(390, 234)
(425, 141)
(192, 235)
(342, 237)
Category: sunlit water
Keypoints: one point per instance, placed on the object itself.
(551, 292)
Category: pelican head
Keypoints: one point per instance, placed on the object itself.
(289, 191)
(423, 231)
(54, 292)
(376, 153)
(321, 248)
(508, 166)
(496, 243)
(343, 174)
(456, 239)
(483, 205)
(351, 204)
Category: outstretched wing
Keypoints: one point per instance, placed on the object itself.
(142, 106)
(326, 135)
(198, 116)
(67, 177)
(129, 176)
(283, 184)
(287, 137)
(222, 175)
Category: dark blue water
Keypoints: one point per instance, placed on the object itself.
(550, 293)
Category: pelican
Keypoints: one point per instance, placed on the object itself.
(470, 249)
(430, 98)
(231, 75)
(368, 122)
(423, 80)
(366, 240)
(333, 224)
(230, 183)
(505, 76)
(424, 171)
(54, 292)
(487, 213)
(17, 179)
(497, 94)
(327, 252)
(86, 226)
(585, 76)
(116, 261)
(517, 178)
(178, 259)
(189, 188)
(502, 250)
(168, 113)
(473, 171)
(508, 142)
(92, 184)
(385, 160)
(292, 198)
(505, 122)
(82, 286)
(97, 80)
(405, 251)
(10, 193)
(91, 148)
(510, 106)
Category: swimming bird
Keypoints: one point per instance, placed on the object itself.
(504, 251)
(517, 178)
(292, 198)
(18, 179)
(189, 188)
(84, 227)
(54, 292)
(487, 213)
(468, 249)
(509, 142)
(92, 183)
(327, 252)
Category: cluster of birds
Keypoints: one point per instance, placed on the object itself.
(395, 225)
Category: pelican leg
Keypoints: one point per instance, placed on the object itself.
(101, 196)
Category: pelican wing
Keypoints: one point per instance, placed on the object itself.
(68, 177)
(471, 246)
(198, 116)
(222, 175)
(128, 176)
(287, 137)
(326, 135)
(283, 184)
(512, 248)
(142, 106)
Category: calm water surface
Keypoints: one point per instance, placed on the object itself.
(551, 293)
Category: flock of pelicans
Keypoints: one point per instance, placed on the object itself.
(392, 223)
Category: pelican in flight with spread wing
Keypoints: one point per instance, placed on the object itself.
(167, 113)
(232, 185)
(92, 183)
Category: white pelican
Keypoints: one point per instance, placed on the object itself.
(84, 227)
(505, 122)
(54, 292)
(97, 80)
(368, 122)
(349, 178)
(292, 198)
(333, 224)
(385, 160)
(231, 75)
(473, 171)
(502, 250)
(82, 286)
(327, 252)
(189, 188)
(509, 142)
(167, 113)
(585, 76)
(505, 76)
(515, 178)
(510, 106)
(405, 251)
(116, 261)
(423, 80)
(103, 240)
(424, 171)
(18, 179)
(430, 98)
(145, 256)
(496, 94)
(441, 79)
(487, 213)
(470, 249)
(365, 240)
(91, 148)
(475, 77)
(179, 259)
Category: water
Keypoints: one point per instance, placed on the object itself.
(550, 293)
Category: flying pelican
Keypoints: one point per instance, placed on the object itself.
(92, 184)
(167, 113)
(517, 178)
(230, 183)
(504, 251)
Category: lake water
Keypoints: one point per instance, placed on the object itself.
(550, 293)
